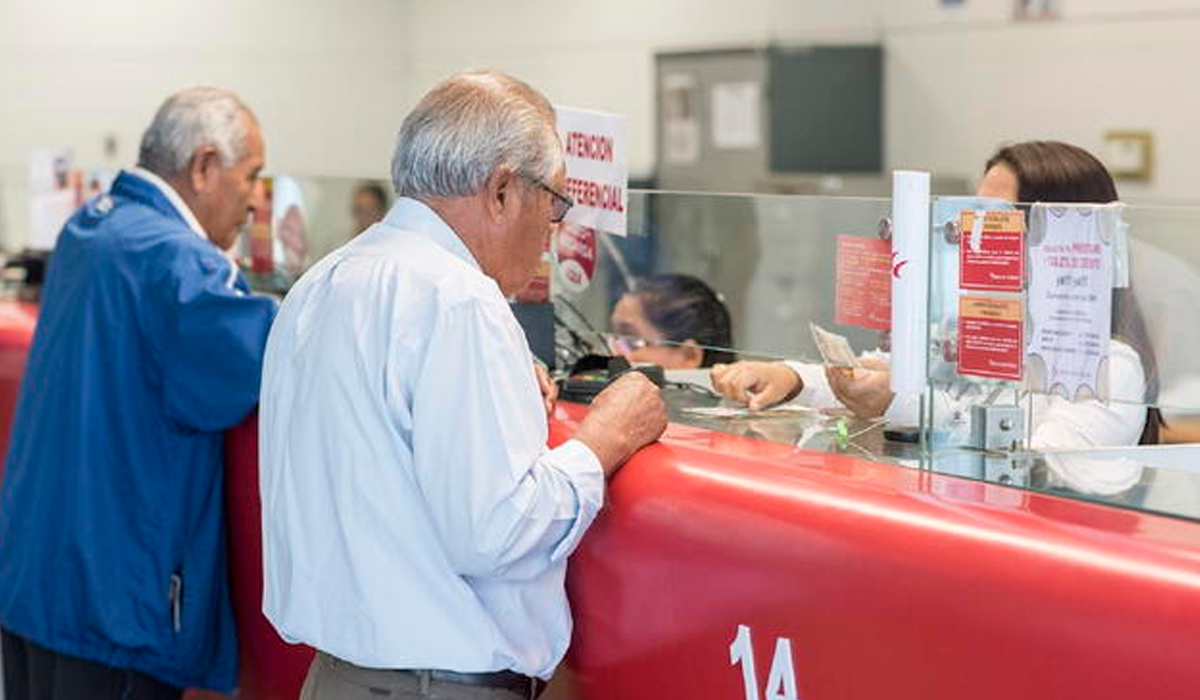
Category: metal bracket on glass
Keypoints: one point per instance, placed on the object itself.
(997, 428)
(1007, 470)
(998, 431)
(950, 232)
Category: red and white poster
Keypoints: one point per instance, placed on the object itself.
(575, 253)
(537, 290)
(262, 259)
(863, 295)
(991, 255)
(55, 192)
(597, 156)
(991, 339)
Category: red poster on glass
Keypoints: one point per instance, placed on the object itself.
(575, 251)
(991, 254)
(991, 339)
(864, 283)
(262, 259)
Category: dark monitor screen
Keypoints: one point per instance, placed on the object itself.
(826, 109)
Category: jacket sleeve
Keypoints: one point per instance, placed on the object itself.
(213, 335)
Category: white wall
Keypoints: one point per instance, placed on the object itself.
(327, 79)
(331, 80)
(601, 55)
(961, 82)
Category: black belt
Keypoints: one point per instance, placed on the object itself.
(526, 686)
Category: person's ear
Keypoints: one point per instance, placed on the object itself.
(691, 355)
(500, 194)
(203, 169)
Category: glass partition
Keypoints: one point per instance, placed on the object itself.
(1009, 300)
(773, 262)
(771, 258)
(308, 217)
(1063, 348)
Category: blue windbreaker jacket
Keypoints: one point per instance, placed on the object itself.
(112, 533)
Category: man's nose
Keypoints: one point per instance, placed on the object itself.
(258, 197)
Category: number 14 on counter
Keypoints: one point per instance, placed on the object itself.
(781, 682)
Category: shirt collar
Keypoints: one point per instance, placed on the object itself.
(173, 197)
(414, 215)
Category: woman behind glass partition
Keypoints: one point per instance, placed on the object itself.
(674, 321)
(1046, 171)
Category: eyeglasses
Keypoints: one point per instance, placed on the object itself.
(618, 344)
(561, 203)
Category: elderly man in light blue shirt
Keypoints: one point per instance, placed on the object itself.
(416, 527)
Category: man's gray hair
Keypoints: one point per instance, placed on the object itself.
(466, 127)
(190, 120)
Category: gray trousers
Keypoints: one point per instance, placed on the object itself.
(330, 678)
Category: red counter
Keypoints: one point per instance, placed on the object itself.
(886, 582)
(851, 578)
(16, 332)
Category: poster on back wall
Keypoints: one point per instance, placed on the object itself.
(55, 192)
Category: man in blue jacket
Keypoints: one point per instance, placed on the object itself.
(113, 578)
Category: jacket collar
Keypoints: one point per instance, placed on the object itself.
(150, 190)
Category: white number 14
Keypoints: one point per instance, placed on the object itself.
(781, 682)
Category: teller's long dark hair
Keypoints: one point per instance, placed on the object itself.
(1052, 171)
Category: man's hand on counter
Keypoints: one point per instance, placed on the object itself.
(623, 418)
(756, 384)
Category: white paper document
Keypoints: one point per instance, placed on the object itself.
(735, 115)
(781, 410)
(1070, 298)
(681, 119)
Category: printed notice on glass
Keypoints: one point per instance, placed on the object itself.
(863, 295)
(990, 337)
(597, 155)
(991, 251)
(575, 256)
(1070, 298)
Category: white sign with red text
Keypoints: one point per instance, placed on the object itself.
(597, 154)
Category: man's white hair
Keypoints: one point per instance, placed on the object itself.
(190, 120)
(466, 127)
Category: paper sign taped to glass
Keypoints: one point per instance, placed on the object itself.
(1070, 298)
(596, 150)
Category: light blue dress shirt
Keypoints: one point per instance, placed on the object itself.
(412, 514)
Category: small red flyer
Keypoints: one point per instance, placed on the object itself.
(991, 254)
(864, 283)
(575, 252)
(991, 340)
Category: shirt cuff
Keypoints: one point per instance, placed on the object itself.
(813, 378)
(582, 467)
